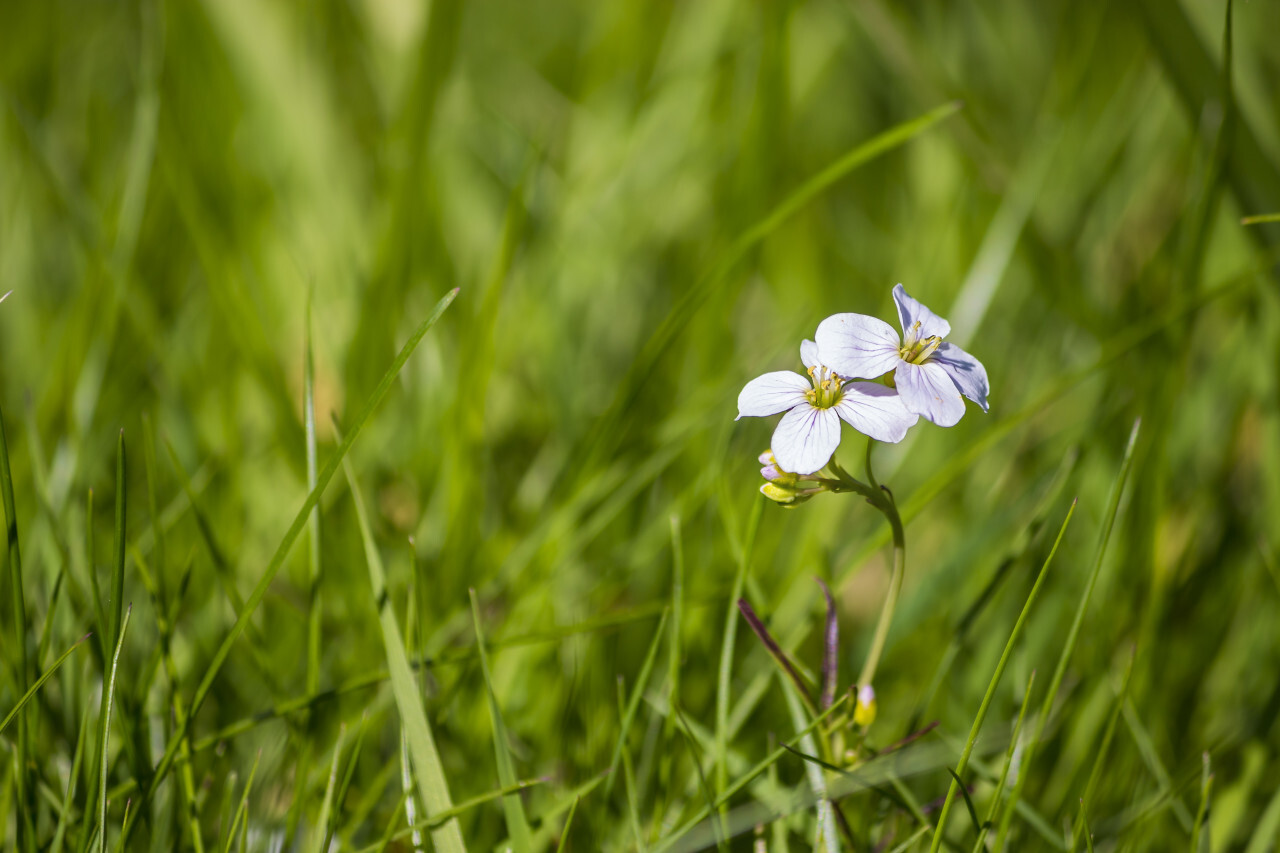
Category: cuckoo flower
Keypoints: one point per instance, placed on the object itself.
(930, 375)
(809, 432)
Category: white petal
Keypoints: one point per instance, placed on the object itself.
(772, 393)
(927, 390)
(857, 346)
(965, 371)
(809, 354)
(875, 410)
(805, 439)
(910, 312)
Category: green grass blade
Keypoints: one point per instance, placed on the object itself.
(313, 521)
(725, 673)
(115, 604)
(22, 665)
(291, 536)
(629, 714)
(998, 797)
(39, 682)
(241, 816)
(561, 846)
(1104, 747)
(1200, 829)
(345, 787)
(1260, 219)
(956, 785)
(1267, 829)
(1104, 536)
(512, 806)
(323, 820)
(104, 734)
(428, 772)
(64, 814)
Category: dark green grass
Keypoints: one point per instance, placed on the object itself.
(226, 225)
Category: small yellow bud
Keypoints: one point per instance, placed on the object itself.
(864, 712)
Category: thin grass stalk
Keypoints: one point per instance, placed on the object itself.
(994, 683)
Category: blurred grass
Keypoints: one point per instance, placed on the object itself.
(644, 205)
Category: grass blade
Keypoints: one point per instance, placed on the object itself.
(1104, 536)
(242, 810)
(957, 785)
(323, 820)
(290, 537)
(1200, 829)
(726, 648)
(428, 772)
(512, 806)
(568, 822)
(629, 714)
(104, 734)
(313, 521)
(25, 828)
(31, 691)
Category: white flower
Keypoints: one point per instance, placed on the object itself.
(930, 375)
(809, 432)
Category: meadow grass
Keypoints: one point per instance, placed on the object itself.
(507, 266)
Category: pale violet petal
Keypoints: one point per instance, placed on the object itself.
(965, 371)
(772, 393)
(805, 439)
(927, 390)
(910, 312)
(857, 346)
(875, 410)
(809, 354)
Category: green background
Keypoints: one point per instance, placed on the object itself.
(645, 205)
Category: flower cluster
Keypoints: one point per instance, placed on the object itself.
(916, 375)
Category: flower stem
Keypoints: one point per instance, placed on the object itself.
(890, 510)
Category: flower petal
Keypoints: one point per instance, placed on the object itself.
(805, 439)
(910, 312)
(927, 390)
(965, 371)
(857, 346)
(875, 410)
(809, 354)
(772, 393)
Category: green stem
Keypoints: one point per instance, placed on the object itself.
(882, 499)
(890, 510)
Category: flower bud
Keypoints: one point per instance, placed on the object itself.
(864, 712)
(786, 495)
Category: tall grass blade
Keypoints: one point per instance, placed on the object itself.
(957, 786)
(633, 704)
(19, 657)
(1200, 828)
(1069, 644)
(291, 536)
(313, 521)
(324, 819)
(39, 682)
(104, 734)
(723, 682)
(241, 817)
(427, 771)
(512, 806)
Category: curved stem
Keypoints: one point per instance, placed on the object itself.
(882, 499)
(890, 510)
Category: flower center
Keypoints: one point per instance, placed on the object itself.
(917, 350)
(825, 392)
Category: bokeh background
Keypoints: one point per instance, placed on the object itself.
(645, 204)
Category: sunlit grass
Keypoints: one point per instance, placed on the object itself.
(509, 265)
